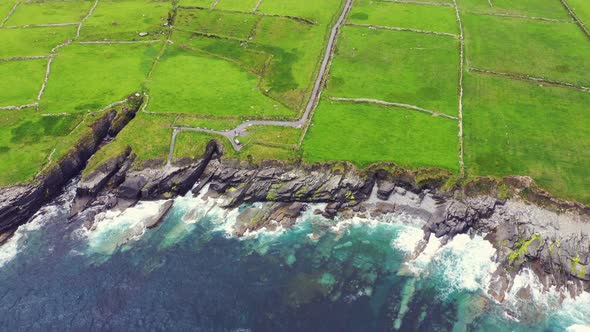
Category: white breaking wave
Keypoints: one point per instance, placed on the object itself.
(578, 328)
(407, 239)
(465, 263)
(114, 229)
(468, 263)
(10, 249)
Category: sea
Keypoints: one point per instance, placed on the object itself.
(191, 274)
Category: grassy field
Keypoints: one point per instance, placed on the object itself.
(238, 5)
(124, 20)
(26, 75)
(582, 10)
(535, 8)
(50, 12)
(320, 12)
(514, 127)
(410, 68)
(224, 24)
(204, 88)
(552, 50)
(34, 41)
(367, 134)
(26, 141)
(404, 15)
(214, 64)
(89, 77)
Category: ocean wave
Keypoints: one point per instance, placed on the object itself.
(61, 205)
(113, 229)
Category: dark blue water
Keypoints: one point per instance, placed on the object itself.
(190, 275)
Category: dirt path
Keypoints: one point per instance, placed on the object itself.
(460, 88)
(240, 130)
(401, 105)
(530, 78)
(369, 26)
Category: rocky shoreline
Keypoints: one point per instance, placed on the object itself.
(526, 225)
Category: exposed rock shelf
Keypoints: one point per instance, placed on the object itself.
(551, 236)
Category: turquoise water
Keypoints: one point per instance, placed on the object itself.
(189, 274)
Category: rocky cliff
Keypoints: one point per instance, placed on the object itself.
(18, 203)
(550, 236)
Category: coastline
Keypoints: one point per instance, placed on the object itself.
(528, 228)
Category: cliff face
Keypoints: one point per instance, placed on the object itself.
(555, 244)
(552, 239)
(19, 203)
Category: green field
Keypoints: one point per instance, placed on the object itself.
(552, 50)
(90, 77)
(34, 41)
(394, 90)
(404, 15)
(124, 20)
(367, 134)
(26, 75)
(520, 128)
(50, 12)
(411, 68)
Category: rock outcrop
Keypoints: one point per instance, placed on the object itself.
(19, 203)
(554, 242)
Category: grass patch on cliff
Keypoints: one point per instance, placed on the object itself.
(402, 15)
(20, 81)
(558, 51)
(89, 77)
(26, 141)
(520, 128)
(409, 68)
(33, 42)
(365, 134)
(148, 136)
(192, 145)
(273, 135)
